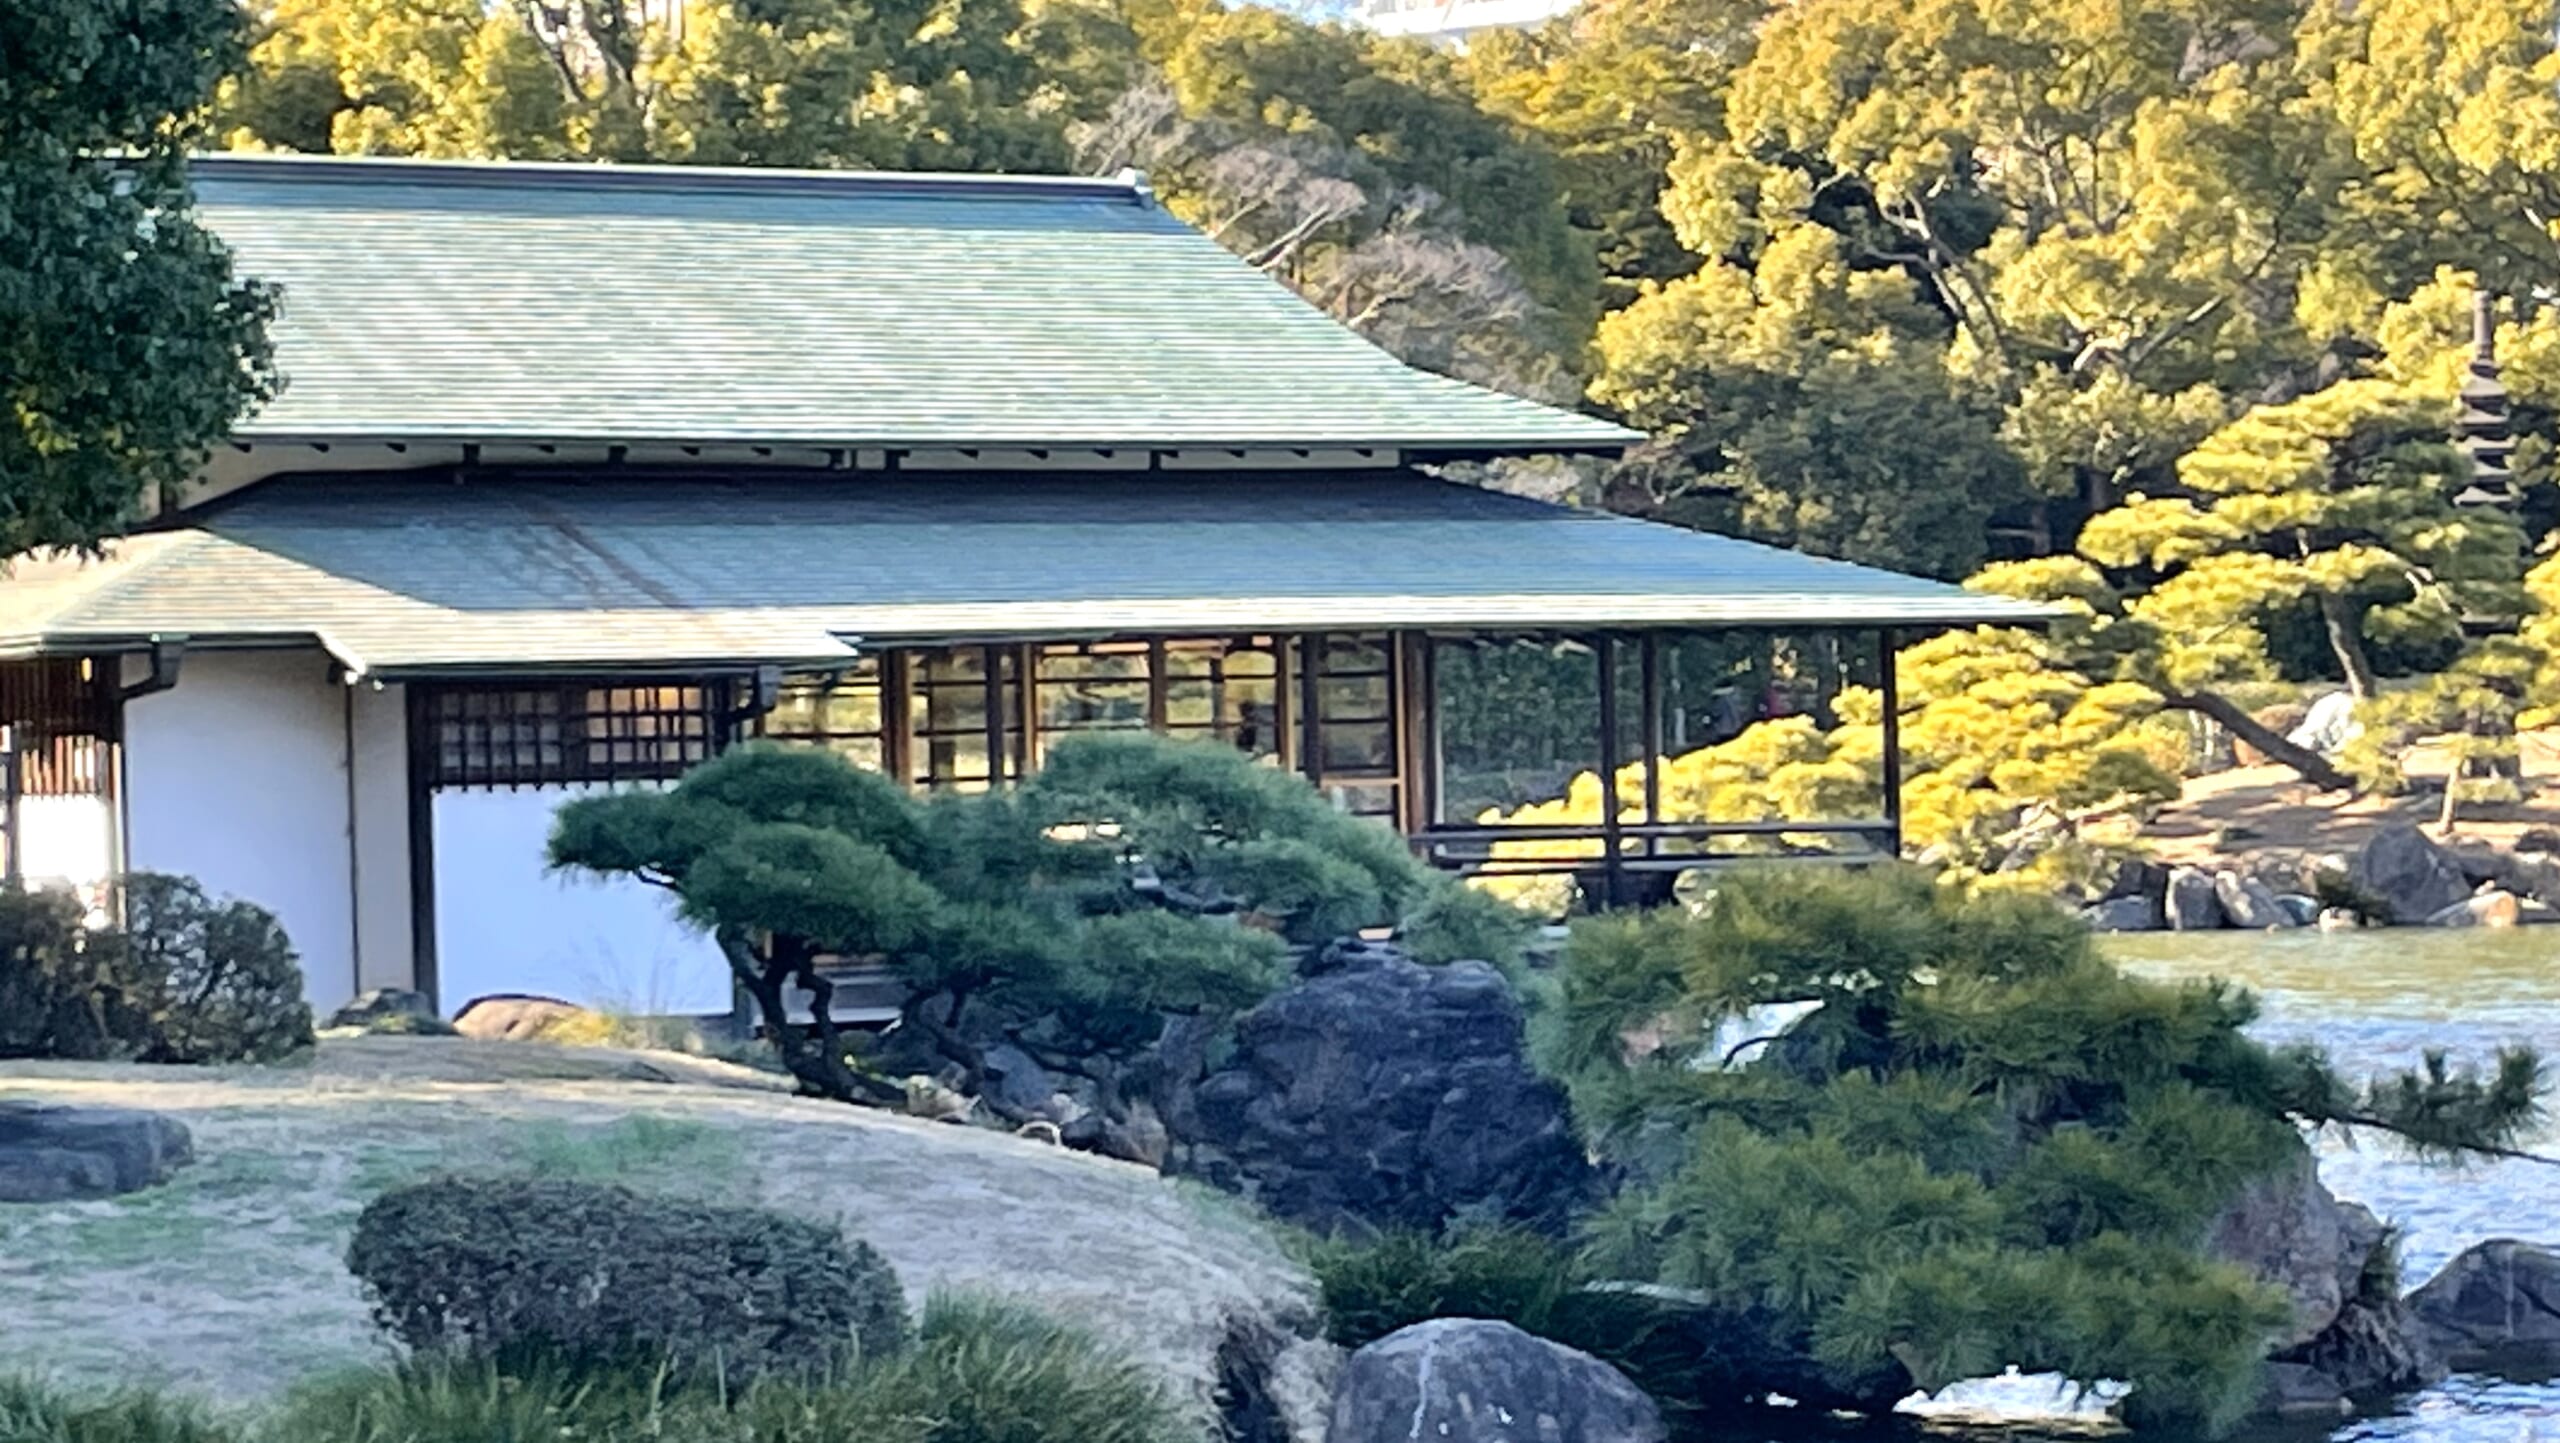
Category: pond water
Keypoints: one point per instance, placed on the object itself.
(2376, 1000)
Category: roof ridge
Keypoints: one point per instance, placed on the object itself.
(1129, 186)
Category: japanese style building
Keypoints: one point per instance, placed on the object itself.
(580, 474)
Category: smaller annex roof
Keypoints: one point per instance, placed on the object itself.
(403, 576)
(479, 301)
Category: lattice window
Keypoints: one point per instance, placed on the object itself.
(1230, 690)
(59, 716)
(498, 736)
(964, 711)
(841, 711)
(1356, 761)
(1103, 687)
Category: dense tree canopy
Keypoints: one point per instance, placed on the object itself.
(1133, 880)
(1897, 1137)
(127, 347)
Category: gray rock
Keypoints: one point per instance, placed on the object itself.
(2533, 875)
(390, 1010)
(516, 1017)
(2409, 875)
(2298, 1390)
(2304, 910)
(1466, 1380)
(2489, 909)
(2495, 1307)
(2480, 862)
(2327, 725)
(2371, 1349)
(2249, 903)
(2126, 914)
(1019, 1087)
(2192, 904)
(1386, 1095)
(2138, 877)
(54, 1153)
(2288, 1229)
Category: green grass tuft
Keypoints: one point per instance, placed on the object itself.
(32, 1411)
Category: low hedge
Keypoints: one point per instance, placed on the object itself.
(590, 1274)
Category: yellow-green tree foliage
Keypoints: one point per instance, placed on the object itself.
(894, 83)
(2342, 499)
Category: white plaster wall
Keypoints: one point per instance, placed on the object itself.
(70, 841)
(237, 777)
(385, 955)
(502, 925)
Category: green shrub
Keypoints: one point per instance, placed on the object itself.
(35, 1412)
(1453, 922)
(1375, 1287)
(185, 979)
(595, 1275)
(65, 991)
(230, 984)
(984, 1371)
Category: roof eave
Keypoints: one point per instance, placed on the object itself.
(1598, 442)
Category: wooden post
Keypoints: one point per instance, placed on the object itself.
(1310, 707)
(1613, 864)
(1649, 674)
(423, 739)
(1889, 695)
(13, 777)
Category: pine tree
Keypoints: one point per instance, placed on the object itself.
(1965, 1142)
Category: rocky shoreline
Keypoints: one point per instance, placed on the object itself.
(2399, 877)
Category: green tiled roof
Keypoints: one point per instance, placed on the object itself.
(478, 301)
(404, 575)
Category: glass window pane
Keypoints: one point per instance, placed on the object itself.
(1364, 698)
(1518, 719)
(1355, 653)
(1190, 704)
(1365, 799)
(1364, 746)
(863, 752)
(854, 709)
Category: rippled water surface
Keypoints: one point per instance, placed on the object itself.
(2377, 1000)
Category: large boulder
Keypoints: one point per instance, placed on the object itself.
(516, 1017)
(1384, 1094)
(1467, 1380)
(391, 1010)
(2412, 877)
(2137, 877)
(2125, 914)
(2496, 1306)
(2491, 908)
(2193, 905)
(2288, 1229)
(2250, 903)
(51, 1152)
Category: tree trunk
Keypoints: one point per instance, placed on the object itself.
(2314, 768)
(813, 1054)
(2348, 643)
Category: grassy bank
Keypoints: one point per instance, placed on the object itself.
(229, 1283)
